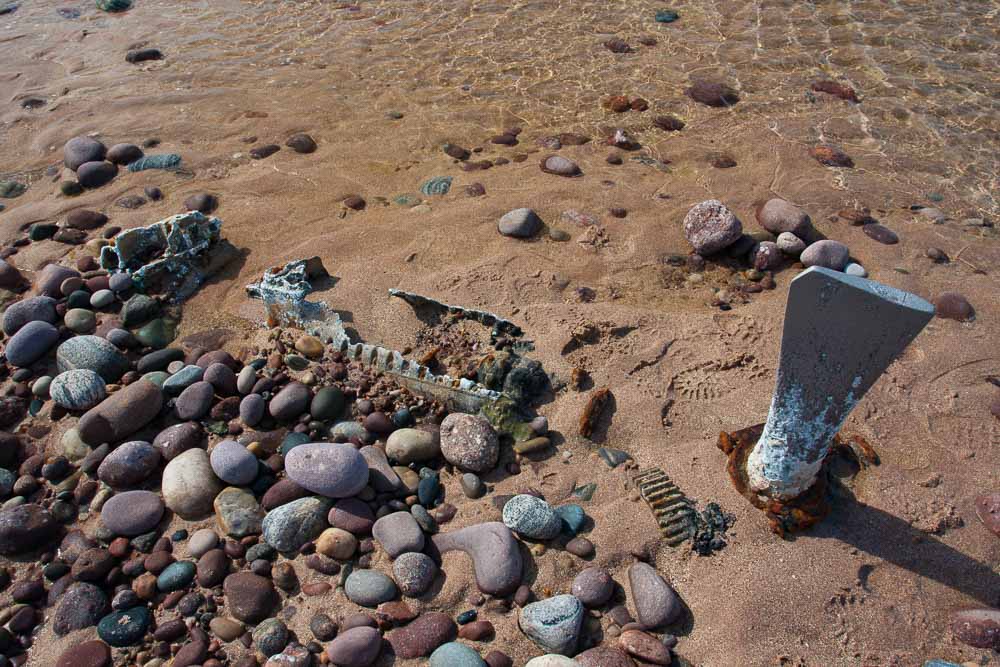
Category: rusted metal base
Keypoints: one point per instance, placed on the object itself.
(788, 516)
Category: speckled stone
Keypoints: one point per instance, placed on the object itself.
(369, 588)
(710, 227)
(531, 517)
(288, 527)
(454, 654)
(79, 389)
(469, 442)
(593, 586)
(553, 623)
(331, 470)
(93, 353)
(414, 573)
(129, 464)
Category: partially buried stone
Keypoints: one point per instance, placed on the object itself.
(881, 234)
(831, 156)
(94, 653)
(262, 152)
(712, 93)
(988, 511)
(560, 166)
(519, 223)
(421, 637)
(710, 227)
(202, 202)
(96, 174)
(114, 5)
(553, 623)
(301, 143)
(978, 627)
(126, 153)
(954, 306)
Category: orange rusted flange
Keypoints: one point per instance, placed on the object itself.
(810, 507)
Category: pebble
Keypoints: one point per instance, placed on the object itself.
(250, 597)
(531, 517)
(301, 143)
(201, 542)
(710, 227)
(381, 476)
(414, 573)
(656, 603)
(80, 150)
(202, 202)
(477, 631)
(790, 244)
(553, 623)
(977, 627)
(82, 605)
(226, 629)
(954, 306)
(102, 299)
(779, 216)
(421, 637)
(855, 269)
(331, 470)
(369, 588)
(212, 568)
(290, 402)
(270, 636)
(252, 409)
(328, 404)
(233, 463)
(355, 647)
(35, 308)
(336, 543)
(195, 401)
(80, 320)
(454, 654)
(352, 515)
(593, 587)
(520, 223)
(881, 234)
(189, 485)
(469, 442)
(472, 486)
(121, 414)
(398, 533)
(124, 628)
(182, 379)
(48, 282)
(831, 156)
(79, 389)
(31, 343)
(826, 253)
(553, 660)
(93, 653)
(129, 464)
(645, 647)
(289, 527)
(412, 445)
(177, 439)
(125, 153)
(176, 576)
(560, 166)
(766, 255)
(496, 558)
(222, 378)
(712, 93)
(96, 174)
(237, 512)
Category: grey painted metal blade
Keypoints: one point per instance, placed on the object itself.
(841, 332)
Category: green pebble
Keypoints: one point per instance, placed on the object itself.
(157, 334)
(124, 628)
(12, 189)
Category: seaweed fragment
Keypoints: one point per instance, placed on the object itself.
(164, 161)
(439, 185)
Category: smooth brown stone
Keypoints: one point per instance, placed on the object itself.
(645, 647)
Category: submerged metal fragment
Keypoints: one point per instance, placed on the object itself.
(677, 517)
(500, 326)
(172, 257)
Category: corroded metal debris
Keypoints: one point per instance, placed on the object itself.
(172, 257)
(500, 326)
(677, 517)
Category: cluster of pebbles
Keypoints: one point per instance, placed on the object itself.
(299, 473)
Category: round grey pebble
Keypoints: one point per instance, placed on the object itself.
(369, 588)
(102, 298)
(78, 389)
(414, 573)
(531, 517)
(520, 223)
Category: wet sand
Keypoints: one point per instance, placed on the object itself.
(872, 585)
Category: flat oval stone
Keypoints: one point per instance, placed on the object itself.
(233, 463)
(531, 517)
(369, 588)
(195, 401)
(176, 576)
(201, 542)
(80, 320)
(79, 389)
(129, 464)
(495, 555)
(174, 440)
(252, 409)
(331, 470)
(645, 647)
(656, 603)
(553, 623)
(82, 605)
(398, 533)
(519, 223)
(182, 379)
(602, 656)
(560, 166)
(352, 515)
(356, 647)
(593, 586)
(31, 343)
(826, 253)
(96, 174)
(421, 637)
(93, 653)
(412, 445)
(779, 216)
(881, 234)
(290, 402)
